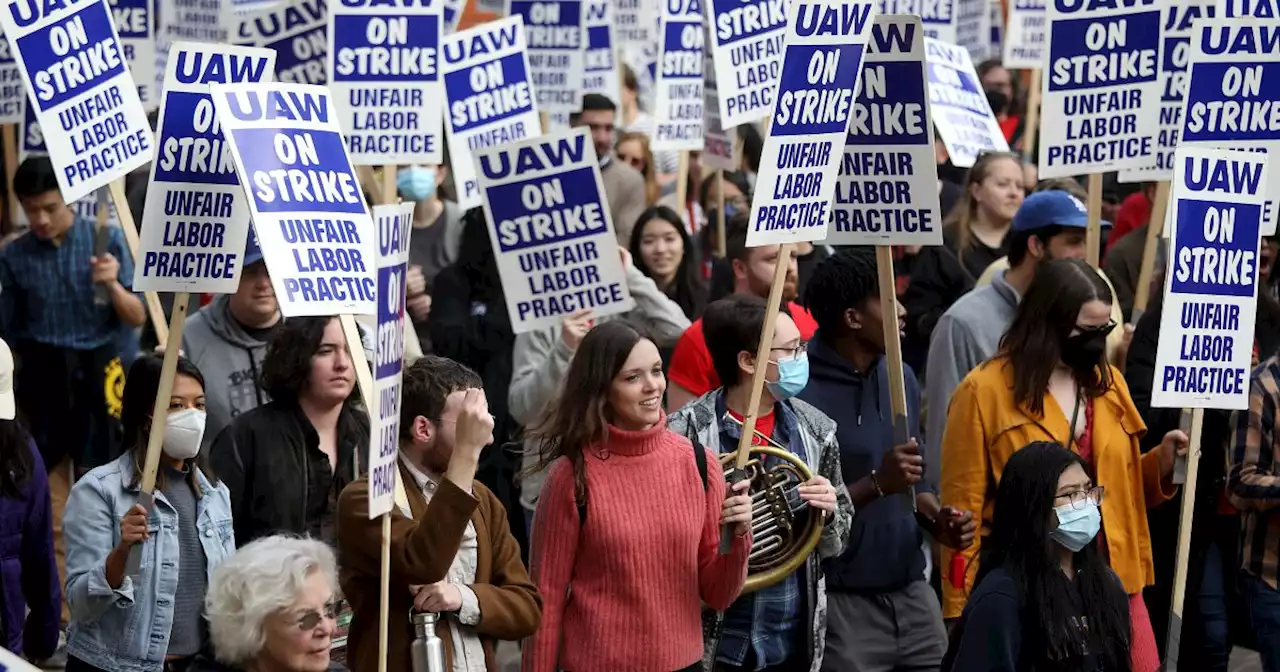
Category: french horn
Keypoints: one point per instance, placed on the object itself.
(784, 528)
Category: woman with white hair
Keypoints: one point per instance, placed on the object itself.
(272, 607)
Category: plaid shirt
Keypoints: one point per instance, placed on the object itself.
(1253, 476)
(767, 620)
(46, 290)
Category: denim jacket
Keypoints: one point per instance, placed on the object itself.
(127, 629)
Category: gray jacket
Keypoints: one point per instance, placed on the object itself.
(697, 419)
(231, 361)
(541, 359)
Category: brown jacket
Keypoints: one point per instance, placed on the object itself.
(422, 549)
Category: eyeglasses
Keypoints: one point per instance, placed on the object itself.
(1079, 497)
(310, 619)
(1104, 329)
(793, 352)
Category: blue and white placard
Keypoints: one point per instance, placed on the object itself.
(677, 116)
(746, 40)
(887, 193)
(297, 31)
(959, 107)
(489, 98)
(451, 11)
(384, 71)
(551, 231)
(1101, 91)
(1211, 288)
(557, 54)
(308, 209)
(393, 223)
(718, 151)
(194, 21)
(13, 93)
(973, 28)
(136, 24)
(1262, 9)
(196, 217)
(31, 143)
(801, 157)
(601, 61)
(1024, 38)
(1233, 93)
(938, 16)
(73, 64)
(635, 22)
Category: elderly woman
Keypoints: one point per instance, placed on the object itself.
(272, 607)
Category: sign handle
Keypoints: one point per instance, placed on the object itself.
(384, 586)
(389, 190)
(10, 138)
(101, 240)
(682, 187)
(1192, 460)
(893, 351)
(1155, 229)
(152, 300)
(1093, 235)
(721, 245)
(1032, 125)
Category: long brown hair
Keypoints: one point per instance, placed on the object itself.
(651, 189)
(580, 417)
(966, 209)
(1045, 319)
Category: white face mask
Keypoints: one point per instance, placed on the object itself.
(183, 432)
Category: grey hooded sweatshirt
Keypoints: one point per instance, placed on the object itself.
(231, 361)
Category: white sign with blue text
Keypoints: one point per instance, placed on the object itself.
(452, 14)
(887, 193)
(1101, 94)
(973, 28)
(73, 63)
(13, 93)
(549, 222)
(677, 116)
(1233, 93)
(489, 98)
(801, 157)
(600, 66)
(394, 224)
(1024, 38)
(307, 206)
(31, 143)
(636, 22)
(297, 31)
(938, 16)
(194, 20)
(196, 217)
(718, 150)
(557, 54)
(136, 25)
(1261, 9)
(746, 40)
(958, 106)
(1205, 352)
(384, 72)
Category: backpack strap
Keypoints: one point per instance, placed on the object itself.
(699, 458)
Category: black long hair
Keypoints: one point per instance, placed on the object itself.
(687, 289)
(477, 261)
(17, 459)
(1020, 545)
(138, 403)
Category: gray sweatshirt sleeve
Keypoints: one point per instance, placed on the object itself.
(952, 355)
(663, 317)
(540, 360)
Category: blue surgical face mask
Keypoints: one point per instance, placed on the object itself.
(730, 209)
(417, 183)
(1077, 527)
(793, 375)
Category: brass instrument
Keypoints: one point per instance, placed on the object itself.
(784, 529)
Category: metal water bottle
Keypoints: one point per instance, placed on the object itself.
(428, 649)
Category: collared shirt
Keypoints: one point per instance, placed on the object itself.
(766, 621)
(468, 653)
(47, 290)
(1253, 481)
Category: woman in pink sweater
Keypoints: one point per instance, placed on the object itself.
(626, 521)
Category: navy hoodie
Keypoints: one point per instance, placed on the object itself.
(883, 553)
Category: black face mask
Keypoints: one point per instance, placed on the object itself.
(1083, 352)
(998, 101)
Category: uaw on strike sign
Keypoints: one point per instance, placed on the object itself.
(393, 223)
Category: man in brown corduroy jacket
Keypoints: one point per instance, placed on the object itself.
(454, 555)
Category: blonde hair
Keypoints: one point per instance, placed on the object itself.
(651, 189)
(966, 209)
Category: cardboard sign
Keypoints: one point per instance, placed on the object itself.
(937, 16)
(308, 210)
(551, 231)
(394, 224)
(385, 77)
(1233, 93)
(746, 40)
(887, 193)
(13, 93)
(1211, 288)
(194, 21)
(718, 150)
(601, 62)
(73, 64)
(1101, 93)
(1025, 38)
(958, 106)
(196, 219)
(298, 32)
(677, 117)
(489, 97)
(801, 157)
(554, 29)
(136, 24)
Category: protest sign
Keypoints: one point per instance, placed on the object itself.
(1233, 93)
(394, 223)
(635, 22)
(31, 143)
(297, 31)
(489, 99)
(551, 231)
(1261, 9)
(958, 106)
(136, 24)
(1211, 289)
(556, 54)
(1024, 39)
(746, 41)
(997, 27)
(308, 211)
(887, 192)
(385, 77)
(13, 93)
(718, 151)
(677, 117)
(801, 157)
(938, 16)
(9, 661)
(196, 217)
(73, 64)
(194, 20)
(1101, 94)
(601, 62)
(973, 28)
(452, 14)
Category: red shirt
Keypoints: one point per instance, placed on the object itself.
(691, 366)
(764, 425)
(1134, 211)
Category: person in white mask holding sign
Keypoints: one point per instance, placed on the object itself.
(150, 620)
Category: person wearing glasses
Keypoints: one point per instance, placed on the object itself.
(1044, 576)
(1051, 382)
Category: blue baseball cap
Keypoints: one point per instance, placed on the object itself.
(252, 252)
(1051, 208)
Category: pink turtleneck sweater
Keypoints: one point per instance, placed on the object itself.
(640, 567)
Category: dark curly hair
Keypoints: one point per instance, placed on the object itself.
(287, 364)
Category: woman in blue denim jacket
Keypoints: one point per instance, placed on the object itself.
(150, 621)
